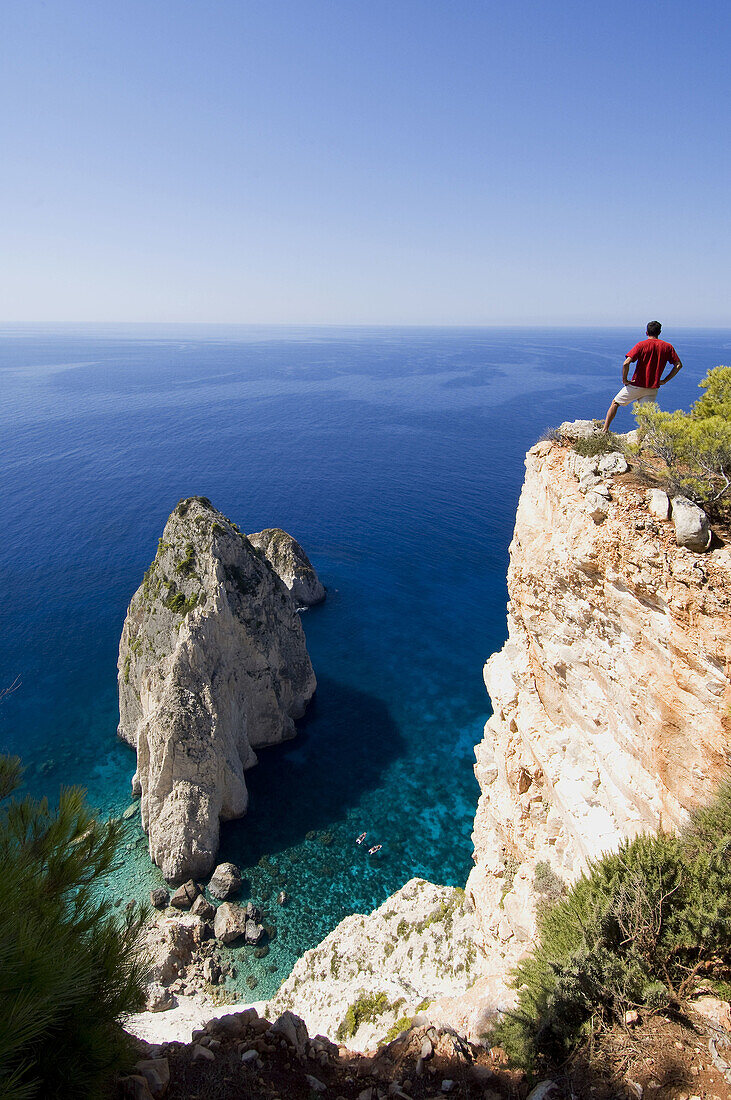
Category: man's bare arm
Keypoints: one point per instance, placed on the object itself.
(678, 366)
(625, 370)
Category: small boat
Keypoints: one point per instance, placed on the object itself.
(361, 838)
(282, 897)
(376, 848)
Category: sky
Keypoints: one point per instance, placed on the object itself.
(365, 161)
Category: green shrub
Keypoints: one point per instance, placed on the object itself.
(695, 446)
(69, 969)
(599, 444)
(399, 1025)
(635, 930)
(367, 1008)
(186, 566)
(176, 601)
(547, 885)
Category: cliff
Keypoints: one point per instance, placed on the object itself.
(212, 665)
(610, 697)
(373, 973)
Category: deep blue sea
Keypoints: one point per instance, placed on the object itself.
(395, 456)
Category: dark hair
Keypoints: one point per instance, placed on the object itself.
(654, 328)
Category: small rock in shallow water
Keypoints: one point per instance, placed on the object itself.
(185, 895)
(253, 912)
(225, 881)
(230, 922)
(291, 564)
(254, 933)
(203, 908)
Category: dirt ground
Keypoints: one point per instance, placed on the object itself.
(655, 1059)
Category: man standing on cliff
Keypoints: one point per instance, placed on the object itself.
(652, 356)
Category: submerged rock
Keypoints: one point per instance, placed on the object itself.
(289, 561)
(212, 665)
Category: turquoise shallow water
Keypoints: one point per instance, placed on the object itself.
(396, 458)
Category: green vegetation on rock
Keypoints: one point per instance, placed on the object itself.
(640, 929)
(546, 884)
(183, 505)
(69, 969)
(177, 602)
(695, 446)
(186, 566)
(599, 444)
(402, 1024)
(367, 1008)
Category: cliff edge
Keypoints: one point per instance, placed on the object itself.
(212, 665)
(611, 696)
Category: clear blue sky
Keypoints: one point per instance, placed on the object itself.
(338, 161)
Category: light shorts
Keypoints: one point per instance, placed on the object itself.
(628, 394)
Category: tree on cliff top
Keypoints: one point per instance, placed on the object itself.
(695, 446)
(68, 968)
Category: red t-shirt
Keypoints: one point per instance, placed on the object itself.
(652, 356)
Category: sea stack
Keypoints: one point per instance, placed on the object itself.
(289, 561)
(212, 665)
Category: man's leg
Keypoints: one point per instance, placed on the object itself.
(611, 413)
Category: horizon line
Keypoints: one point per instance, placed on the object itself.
(366, 324)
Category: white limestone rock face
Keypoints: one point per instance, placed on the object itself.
(611, 696)
(291, 564)
(417, 950)
(212, 665)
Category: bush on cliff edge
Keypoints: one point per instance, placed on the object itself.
(695, 446)
(68, 968)
(635, 931)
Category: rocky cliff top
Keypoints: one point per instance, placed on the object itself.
(212, 664)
